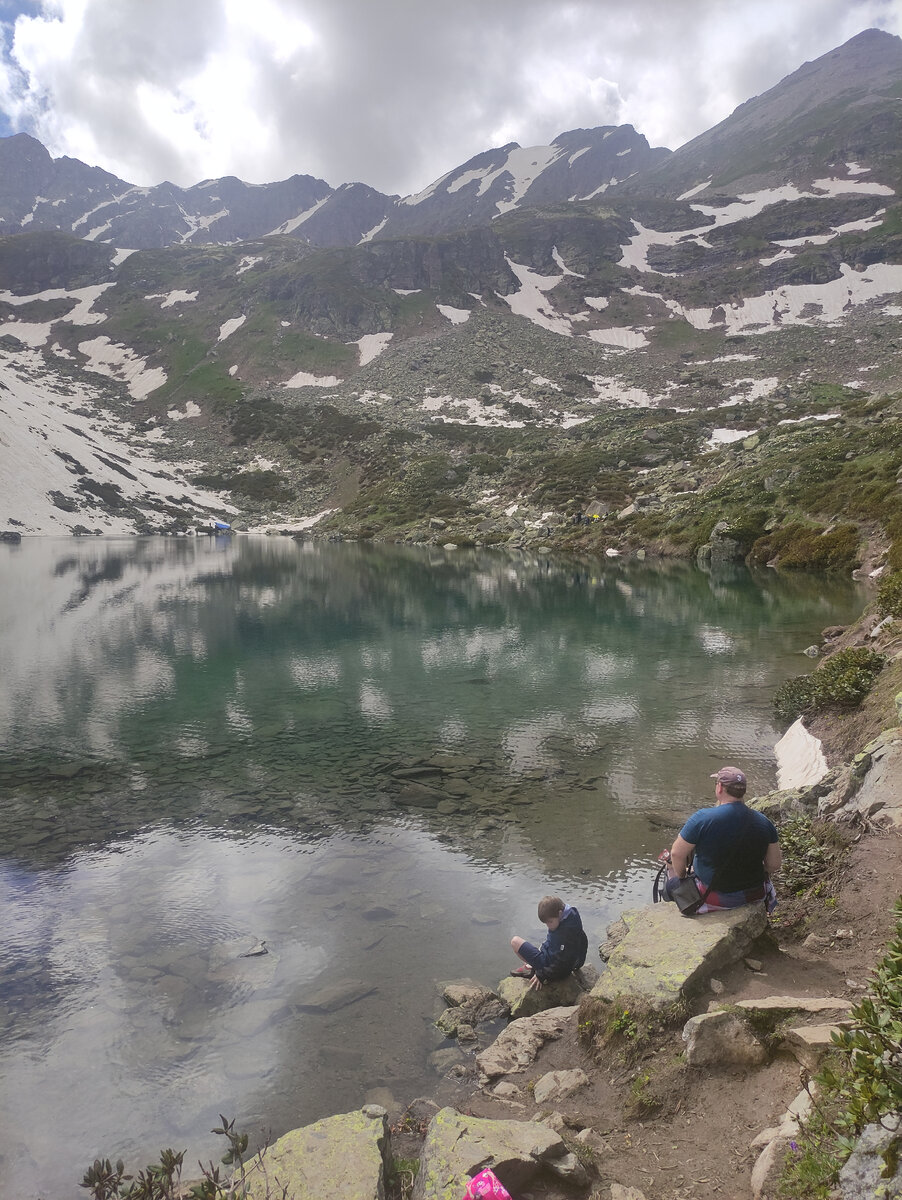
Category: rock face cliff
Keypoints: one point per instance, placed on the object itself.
(537, 327)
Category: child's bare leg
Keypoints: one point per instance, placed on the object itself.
(516, 943)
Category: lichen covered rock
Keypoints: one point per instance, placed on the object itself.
(525, 1001)
(458, 1146)
(665, 956)
(344, 1156)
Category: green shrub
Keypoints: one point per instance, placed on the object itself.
(889, 595)
(842, 682)
(802, 546)
(162, 1180)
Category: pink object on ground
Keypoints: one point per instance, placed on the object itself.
(486, 1183)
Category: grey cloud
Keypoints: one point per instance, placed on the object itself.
(396, 93)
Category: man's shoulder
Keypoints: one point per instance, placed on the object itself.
(762, 820)
(701, 816)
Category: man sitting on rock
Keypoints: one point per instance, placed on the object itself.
(734, 849)
(563, 951)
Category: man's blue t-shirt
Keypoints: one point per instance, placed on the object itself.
(731, 840)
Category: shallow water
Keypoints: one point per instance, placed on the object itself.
(374, 759)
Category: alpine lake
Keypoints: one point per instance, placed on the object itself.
(361, 764)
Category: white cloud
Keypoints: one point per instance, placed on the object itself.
(395, 93)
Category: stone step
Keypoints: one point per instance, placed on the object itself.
(810, 1043)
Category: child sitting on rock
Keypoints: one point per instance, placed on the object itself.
(563, 951)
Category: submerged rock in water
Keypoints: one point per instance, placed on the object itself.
(337, 995)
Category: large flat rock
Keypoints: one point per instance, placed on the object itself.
(661, 955)
(340, 1156)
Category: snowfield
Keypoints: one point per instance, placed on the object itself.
(48, 445)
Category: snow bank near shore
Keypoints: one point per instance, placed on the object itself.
(800, 758)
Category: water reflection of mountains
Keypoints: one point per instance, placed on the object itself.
(313, 688)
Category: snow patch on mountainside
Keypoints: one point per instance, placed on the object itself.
(419, 197)
(305, 379)
(191, 410)
(474, 412)
(519, 170)
(462, 180)
(371, 233)
(29, 333)
(49, 446)
(37, 333)
(529, 301)
(291, 225)
(612, 390)
(81, 314)
(200, 224)
(835, 416)
(821, 239)
(525, 166)
(620, 338)
(451, 410)
(635, 252)
(457, 316)
(753, 389)
(228, 327)
(804, 303)
(106, 357)
(723, 437)
(170, 298)
(564, 268)
(694, 191)
(749, 204)
(371, 345)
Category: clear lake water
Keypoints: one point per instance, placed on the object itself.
(372, 759)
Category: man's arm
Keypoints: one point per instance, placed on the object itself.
(680, 853)
(773, 859)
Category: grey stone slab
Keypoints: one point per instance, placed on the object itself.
(336, 995)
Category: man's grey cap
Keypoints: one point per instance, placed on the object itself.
(730, 775)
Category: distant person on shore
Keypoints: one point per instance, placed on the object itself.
(733, 849)
(563, 951)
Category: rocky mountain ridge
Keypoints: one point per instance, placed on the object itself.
(40, 193)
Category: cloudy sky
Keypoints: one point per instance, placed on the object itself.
(390, 92)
